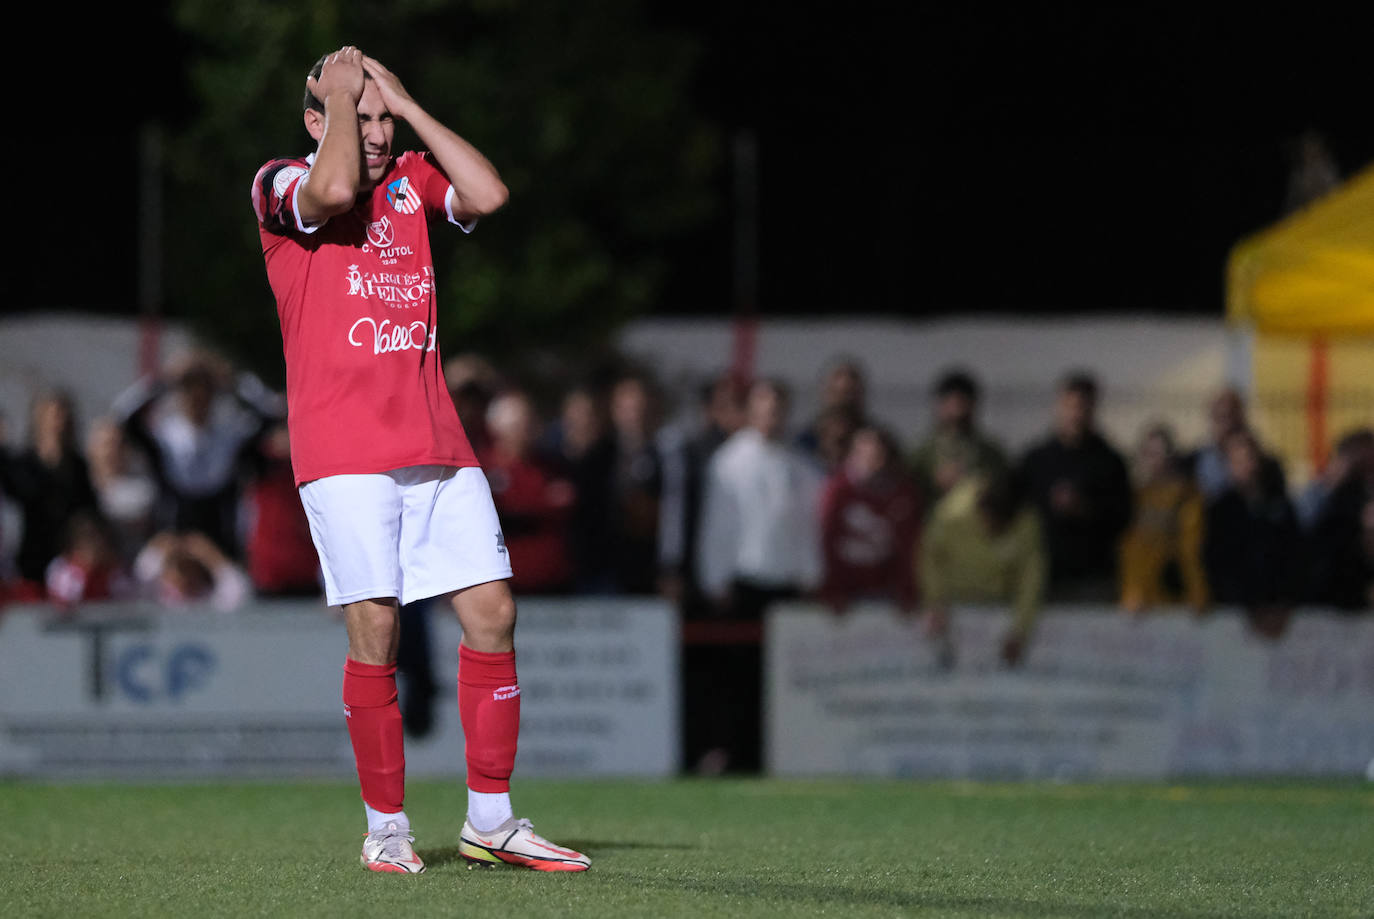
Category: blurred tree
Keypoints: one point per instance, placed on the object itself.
(584, 108)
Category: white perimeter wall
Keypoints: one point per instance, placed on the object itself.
(92, 357)
(1149, 367)
(1098, 696)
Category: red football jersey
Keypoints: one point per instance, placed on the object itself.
(364, 382)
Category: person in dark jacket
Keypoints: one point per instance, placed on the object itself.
(636, 486)
(586, 450)
(1253, 551)
(1208, 464)
(1341, 540)
(686, 455)
(844, 407)
(1081, 487)
(50, 482)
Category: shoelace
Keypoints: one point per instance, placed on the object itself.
(391, 841)
(524, 824)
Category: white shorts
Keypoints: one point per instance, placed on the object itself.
(409, 533)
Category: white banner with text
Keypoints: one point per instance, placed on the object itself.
(1097, 696)
(128, 691)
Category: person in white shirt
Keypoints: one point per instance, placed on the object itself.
(196, 424)
(759, 541)
(760, 529)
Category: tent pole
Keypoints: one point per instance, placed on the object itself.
(1318, 385)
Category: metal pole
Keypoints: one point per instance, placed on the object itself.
(745, 158)
(150, 246)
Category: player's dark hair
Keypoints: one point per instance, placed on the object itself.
(1081, 383)
(312, 101)
(957, 382)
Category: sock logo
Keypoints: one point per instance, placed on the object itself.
(505, 692)
(348, 712)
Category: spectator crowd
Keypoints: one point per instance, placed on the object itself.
(183, 494)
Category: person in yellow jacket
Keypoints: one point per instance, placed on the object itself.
(1161, 551)
(983, 545)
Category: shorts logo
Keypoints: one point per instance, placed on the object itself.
(402, 197)
(380, 233)
(501, 543)
(503, 693)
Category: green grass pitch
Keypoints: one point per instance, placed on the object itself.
(705, 848)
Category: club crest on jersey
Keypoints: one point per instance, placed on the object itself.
(402, 196)
(380, 233)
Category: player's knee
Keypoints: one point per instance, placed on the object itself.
(498, 617)
(489, 621)
(372, 627)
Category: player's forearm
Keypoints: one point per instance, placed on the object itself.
(337, 171)
(476, 184)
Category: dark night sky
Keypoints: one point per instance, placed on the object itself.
(964, 159)
(950, 160)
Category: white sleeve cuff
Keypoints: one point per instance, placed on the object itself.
(466, 226)
(295, 212)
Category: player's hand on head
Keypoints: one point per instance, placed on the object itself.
(342, 72)
(394, 95)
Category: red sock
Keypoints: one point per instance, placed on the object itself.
(489, 704)
(374, 726)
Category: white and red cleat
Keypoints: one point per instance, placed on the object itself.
(388, 849)
(515, 843)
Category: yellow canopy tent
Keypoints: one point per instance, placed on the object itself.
(1305, 287)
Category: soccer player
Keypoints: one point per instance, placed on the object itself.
(399, 508)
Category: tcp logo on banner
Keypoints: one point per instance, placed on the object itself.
(144, 673)
(125, 660)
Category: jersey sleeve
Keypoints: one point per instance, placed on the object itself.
(436, 192)
(274, 196)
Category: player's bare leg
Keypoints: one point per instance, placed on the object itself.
(374, 726)
(489, 703)
(373, 630)
(487, 614)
